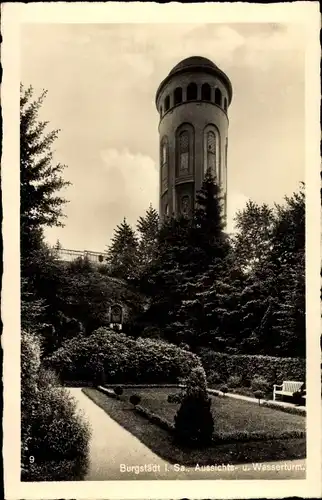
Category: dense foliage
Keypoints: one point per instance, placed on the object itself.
(273, 369)
(120, 359)
(51, 428)
(243, 294)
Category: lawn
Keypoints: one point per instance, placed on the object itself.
(229, 416)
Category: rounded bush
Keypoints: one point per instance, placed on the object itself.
(224, 389)
(118, 391)
(121, 359)
(135, 399)
(260, 384)
(58, 431)
(234, 381)
(259, 395)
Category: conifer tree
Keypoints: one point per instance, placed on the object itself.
(208, 224)
(194, 423)
(40, 178)
(122, 254)
(166, 274)
(209, 250)
(148, 228)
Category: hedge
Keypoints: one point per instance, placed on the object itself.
(107, 357)
(274, 370)
(294, 410)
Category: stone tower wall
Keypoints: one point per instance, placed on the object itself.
(197, 114)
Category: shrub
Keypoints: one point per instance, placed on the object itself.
(259, 395)
(194, 424)
(135, 399)
(58, 431)
(224, 389)
(260, 384)
(52, 430)
(121, 359)
(30, 365)
(273, 369)
(234, 381)
(118, 391)
(175, 398)
(214, 378)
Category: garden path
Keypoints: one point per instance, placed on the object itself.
(111, 446)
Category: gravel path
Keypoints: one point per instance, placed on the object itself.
(115, 454)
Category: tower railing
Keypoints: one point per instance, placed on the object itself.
(69, 255)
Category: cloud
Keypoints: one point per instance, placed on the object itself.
(132, 182)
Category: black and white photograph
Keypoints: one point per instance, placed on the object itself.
(163, 268)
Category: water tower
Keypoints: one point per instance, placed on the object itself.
(192, 102)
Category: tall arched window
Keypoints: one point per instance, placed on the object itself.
(225, 104)
(164, 164)
(178, 95)
(184, 150)
(183, 153)
(218, 97)
(166, 103)
(206, 92)
(192, 92)
(211, 152)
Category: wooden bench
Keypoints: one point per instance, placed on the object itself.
(287, 388)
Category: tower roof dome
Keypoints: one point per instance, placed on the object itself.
(197, 64)
(193, 61)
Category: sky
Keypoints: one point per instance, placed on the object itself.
(101, 81)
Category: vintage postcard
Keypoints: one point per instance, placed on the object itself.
(161, 300)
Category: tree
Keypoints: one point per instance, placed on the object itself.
(166, 274)
(148, 228)
(208, 236)
(194, 424)
(32, 309)
(288, 231)
(272, 302)
(209, 248)
(40, 178)
(290, 315)
(122, 254)
(253, 239)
